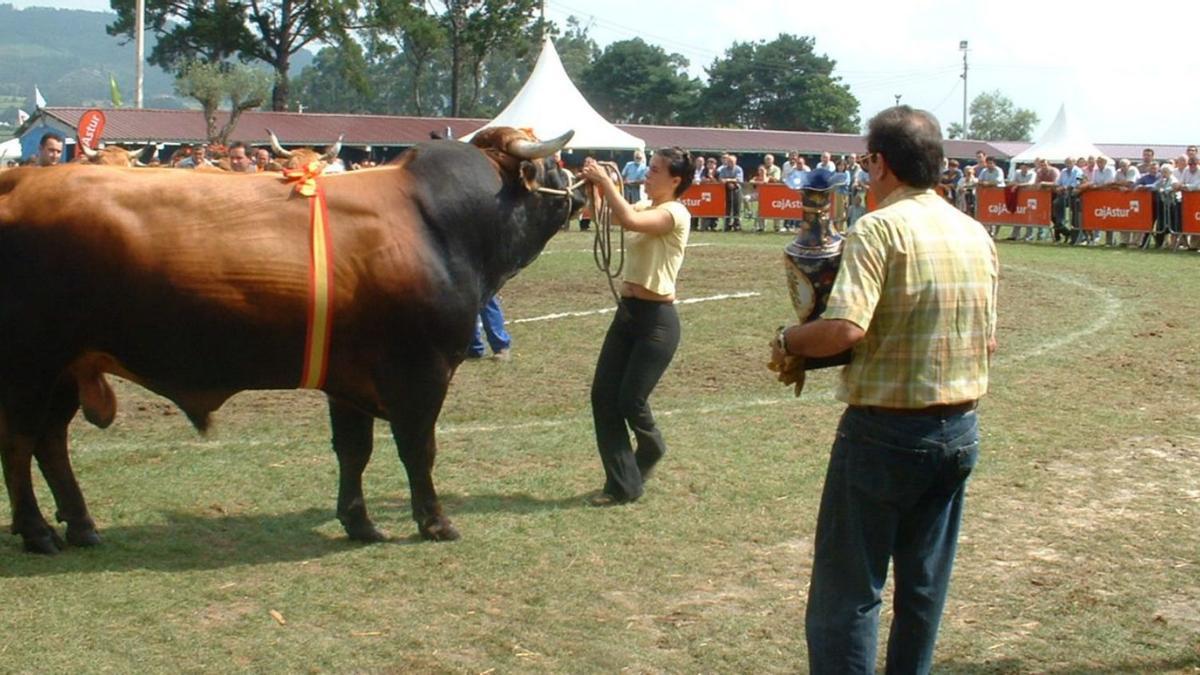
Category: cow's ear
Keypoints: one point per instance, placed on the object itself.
(529, 175)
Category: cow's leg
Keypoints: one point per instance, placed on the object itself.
(16, 453)
(55, 462)
(413, 398)
(352, 441)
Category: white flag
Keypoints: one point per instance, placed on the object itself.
(38, 99)
(21, 116)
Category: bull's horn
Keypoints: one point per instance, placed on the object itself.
(332, 153)
(279, 151)
(90, 153)
(134, 155)
(526, 149)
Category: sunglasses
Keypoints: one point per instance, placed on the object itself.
(868, 158)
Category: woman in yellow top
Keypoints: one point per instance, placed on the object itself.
(645, 330)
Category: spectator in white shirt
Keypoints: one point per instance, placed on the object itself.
(1103, 175)
(1024, 175)
(1127, 174)
(1161, 182)
(1189, 181)
(1126, 179)
(773, 173)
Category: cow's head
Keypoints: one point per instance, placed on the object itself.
(302, 157)
(113, 155)
(534, 162)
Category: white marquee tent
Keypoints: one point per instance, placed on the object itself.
(10, 149)
(1062, 140)
(550, 104)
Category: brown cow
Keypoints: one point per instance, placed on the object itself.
(143, 274)
(113, 155)
(300, 157)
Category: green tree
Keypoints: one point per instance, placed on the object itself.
(405, 31)
(473, 29)
(213, 83)
(635, 82)
(187, 30)
(402, 64)
(456, 57)
(995, 118)
(215, 31)
(336, 81)
(782, 84)
(575, 48)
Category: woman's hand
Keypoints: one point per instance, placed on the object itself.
(593, 172)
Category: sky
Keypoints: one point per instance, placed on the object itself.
(1125, 74)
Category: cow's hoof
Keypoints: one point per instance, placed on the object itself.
(83, 536)
(439, 528)
(366, 533)
(46, 543)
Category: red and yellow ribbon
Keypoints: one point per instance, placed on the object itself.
(320, 300)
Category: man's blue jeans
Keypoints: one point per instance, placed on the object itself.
(894, 490)
(491, 321)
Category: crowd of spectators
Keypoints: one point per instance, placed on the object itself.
(1168, 180)
(847, 176)
(237, 157)
(959, 184)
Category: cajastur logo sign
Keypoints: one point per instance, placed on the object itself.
(1106, 212)
(1030, 205)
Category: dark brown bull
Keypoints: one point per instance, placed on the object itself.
(143, 273)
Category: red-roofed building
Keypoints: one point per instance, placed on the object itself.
(384, 135)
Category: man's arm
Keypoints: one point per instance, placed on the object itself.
(823, 337)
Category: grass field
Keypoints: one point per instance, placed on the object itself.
(1080, 550)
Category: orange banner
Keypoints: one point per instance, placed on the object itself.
(1033, 207)
(1191, 212)
(91, 128)
(1117, 210)
(706, 200)
(776, 200)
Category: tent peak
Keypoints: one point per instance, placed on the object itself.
(549, 103)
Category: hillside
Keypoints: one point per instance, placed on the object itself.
(69, 56)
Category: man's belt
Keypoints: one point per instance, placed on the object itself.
(941, 410)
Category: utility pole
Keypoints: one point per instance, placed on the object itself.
(962, 45)
(139, 29)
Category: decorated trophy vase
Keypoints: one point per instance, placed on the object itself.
(812, 259)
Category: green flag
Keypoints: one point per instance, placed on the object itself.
(115, 90)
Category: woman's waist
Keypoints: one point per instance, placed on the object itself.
(631, 290)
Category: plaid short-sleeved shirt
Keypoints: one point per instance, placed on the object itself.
(919, 277)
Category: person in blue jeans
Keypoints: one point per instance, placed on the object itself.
(915, 298)
(491, 322)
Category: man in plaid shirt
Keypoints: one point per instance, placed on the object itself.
(916, 300)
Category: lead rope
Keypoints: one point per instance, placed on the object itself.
(602, 245)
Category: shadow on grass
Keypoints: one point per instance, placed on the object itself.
(1179, 663)
(519, 502)
(191, 541)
